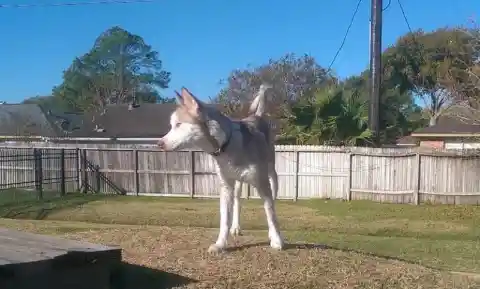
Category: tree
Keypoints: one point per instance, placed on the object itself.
(331, 117)
(292, 78)
(465, 84)
(399, 113)
(427, 63)
(119, 68)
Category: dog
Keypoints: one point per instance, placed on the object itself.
(243, 150)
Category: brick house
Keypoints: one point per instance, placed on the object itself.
(457, 129)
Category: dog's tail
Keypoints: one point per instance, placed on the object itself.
(257, 107)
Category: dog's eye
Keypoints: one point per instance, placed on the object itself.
(177, 124)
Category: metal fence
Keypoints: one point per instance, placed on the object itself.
(49, 171)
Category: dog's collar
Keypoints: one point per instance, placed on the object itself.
(218, 149)
(222, 148)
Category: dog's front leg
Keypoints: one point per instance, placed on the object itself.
(235, 228)
(226, 210)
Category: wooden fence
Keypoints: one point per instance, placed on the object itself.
(399, 175)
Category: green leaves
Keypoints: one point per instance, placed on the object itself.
(331, 117)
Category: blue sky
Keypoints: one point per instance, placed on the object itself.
(200, 42)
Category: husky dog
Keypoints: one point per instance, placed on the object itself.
(243, 150)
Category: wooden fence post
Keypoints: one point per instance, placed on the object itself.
(62, 172)
(297, 169)
(416, 190)
(192, 174)
(350, 172)
(37, 156)
(136, 177)
(165, 173)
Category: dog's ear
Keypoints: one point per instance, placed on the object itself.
(191, 102)
(179, 98)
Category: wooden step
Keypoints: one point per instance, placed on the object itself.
(33, 261)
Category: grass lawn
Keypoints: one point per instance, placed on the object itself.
(333, 244)
(12, 196)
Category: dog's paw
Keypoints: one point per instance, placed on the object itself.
(277, 243)
(235, 231)
(215, 249)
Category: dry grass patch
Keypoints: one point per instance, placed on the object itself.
(440, 237)
(181, 252)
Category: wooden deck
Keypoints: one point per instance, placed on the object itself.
(32, 261)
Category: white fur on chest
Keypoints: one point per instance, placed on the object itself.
(227, 169)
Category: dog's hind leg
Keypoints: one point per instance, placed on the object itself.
(264, 190)
(273, 178)
(226, 208)
(235, 228)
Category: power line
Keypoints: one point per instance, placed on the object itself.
(414, 37)
(345, 36)
(404, 15)
(65, 4)
(388, 5)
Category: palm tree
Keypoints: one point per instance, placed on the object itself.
(329, 118)
(350, 126)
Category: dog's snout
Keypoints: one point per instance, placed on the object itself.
(161, 144)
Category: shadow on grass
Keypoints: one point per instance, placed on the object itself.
(132, 276)
(312, 246)
(40, 209)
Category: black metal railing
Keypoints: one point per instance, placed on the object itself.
(44, 170)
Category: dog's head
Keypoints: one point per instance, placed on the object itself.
(186, 124)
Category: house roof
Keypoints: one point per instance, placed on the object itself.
(457, 121)
(407, 140)
(148, 120)
(24, 120)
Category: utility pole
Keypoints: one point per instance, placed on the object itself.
(375, 69)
